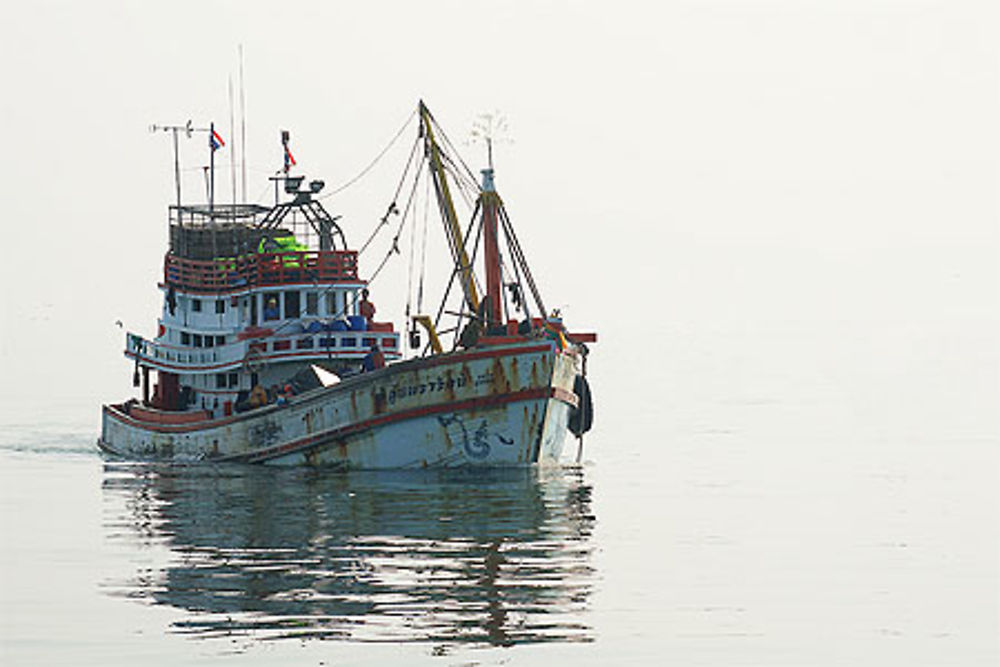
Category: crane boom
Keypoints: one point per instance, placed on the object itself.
(447, 206)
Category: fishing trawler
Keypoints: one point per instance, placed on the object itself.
(268, 349)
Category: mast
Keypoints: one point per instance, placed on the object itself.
(452, 228)
(490, 202)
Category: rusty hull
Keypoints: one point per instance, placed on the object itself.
(493, 406)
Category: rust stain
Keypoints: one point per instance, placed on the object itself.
(499, 383)
(528, 428)
(379, 400)
(534, 374)
(449, 385)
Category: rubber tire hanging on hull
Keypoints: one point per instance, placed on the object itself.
(582, 416)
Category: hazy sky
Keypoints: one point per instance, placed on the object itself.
(677, 168)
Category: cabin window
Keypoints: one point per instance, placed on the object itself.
(196, 305)
(220, 306)
(234, 379)
(331, 304)
(196, 339)
(291, 305)
(271, 309)
(185, 338)
(253, 310)
(209, 341)
(312, 303)
(304, 343)
(220, 380)
(220, 340)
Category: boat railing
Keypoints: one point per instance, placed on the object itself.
(344, 344)
(225, 274)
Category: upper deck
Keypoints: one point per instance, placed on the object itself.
(232, 247)
(229, 274)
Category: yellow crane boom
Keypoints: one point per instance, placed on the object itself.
(452, 227)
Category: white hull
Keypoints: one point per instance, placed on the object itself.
(505, 405)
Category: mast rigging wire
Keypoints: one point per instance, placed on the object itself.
(392, 208)
(372, 164)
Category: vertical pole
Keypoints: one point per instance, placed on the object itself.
(177, 171)
(491, 256)
(243, 130)
(211, 171)
(491, 249)
(182, 246)
(211, 192)
(232, 145)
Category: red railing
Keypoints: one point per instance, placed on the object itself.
(233, 273)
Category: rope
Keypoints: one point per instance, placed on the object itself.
(372, 164)
(394, 248)
(423, 249)
(392, 208)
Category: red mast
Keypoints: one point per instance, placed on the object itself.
(491, 249)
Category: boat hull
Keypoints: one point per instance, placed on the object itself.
(504, 405)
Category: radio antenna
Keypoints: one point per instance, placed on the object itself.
(187, 129)
(243, 128)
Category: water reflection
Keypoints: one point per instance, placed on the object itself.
(496, 557)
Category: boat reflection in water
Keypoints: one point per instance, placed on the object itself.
(492, 557)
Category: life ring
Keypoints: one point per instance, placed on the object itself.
(581, 418)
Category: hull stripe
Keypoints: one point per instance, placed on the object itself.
(118, 414)
(327, 437)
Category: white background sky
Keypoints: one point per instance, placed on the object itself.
(781, 216)
(679, 168)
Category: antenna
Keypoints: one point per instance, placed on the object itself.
(174, 129)
(243, 129)
(188, 129)
(232, 135)
(490, 127)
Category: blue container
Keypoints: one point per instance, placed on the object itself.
(358, 322)
(338, 325)
(315, 326)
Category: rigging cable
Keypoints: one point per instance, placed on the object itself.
(451, 148)
(373, 162)
(392, 208)
(518, 256)
(423, 249)
(409, 276)
(394, 248)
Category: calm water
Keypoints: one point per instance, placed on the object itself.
(492, 559)
(741, 514)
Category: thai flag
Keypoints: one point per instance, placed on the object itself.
(289, 160)
(215, 141)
